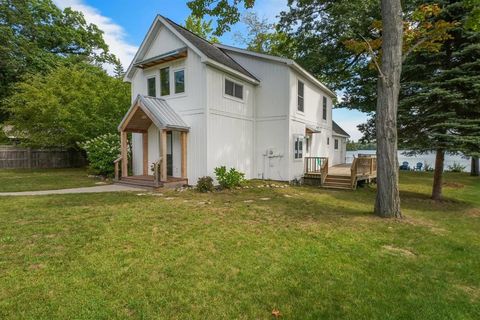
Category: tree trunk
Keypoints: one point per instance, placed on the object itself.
(438, 174)
(387, 202)
(475, 170)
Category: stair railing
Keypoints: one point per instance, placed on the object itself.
(324, 171)
(157, 172)
(116, 163)
(353, 173)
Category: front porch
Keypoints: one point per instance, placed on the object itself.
(342, 176)
(155, 122)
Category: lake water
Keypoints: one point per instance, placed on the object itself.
(428, 158)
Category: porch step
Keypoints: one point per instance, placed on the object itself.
(337, 182)
(149, 183)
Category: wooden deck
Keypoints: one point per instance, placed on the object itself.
(342, 176)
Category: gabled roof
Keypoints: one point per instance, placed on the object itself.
(158, 111)
(209, 49)
(209, 53)
(337, 130)
(289, 62)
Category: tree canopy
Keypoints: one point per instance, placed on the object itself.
(35, 35)
(201, 28)
(67, 106)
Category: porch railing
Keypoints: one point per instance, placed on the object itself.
(117, 168)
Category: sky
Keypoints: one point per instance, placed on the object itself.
(125, 23)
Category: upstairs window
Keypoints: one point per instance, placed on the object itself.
(179, 78)
(165, 81)
(336, 144)
(233, 89)
(324, 108)
(298, 148)
(300, 93)
(151, 87)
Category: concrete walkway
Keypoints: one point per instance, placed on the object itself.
(104, 188)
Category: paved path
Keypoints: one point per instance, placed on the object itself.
(104, 188)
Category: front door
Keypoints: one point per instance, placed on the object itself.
(169, 154)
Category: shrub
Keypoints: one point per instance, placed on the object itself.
(230, 178)
(456, 167)
(102, 152)
(205, 184)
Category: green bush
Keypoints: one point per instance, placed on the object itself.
(205, 184)
(456, 167)
(229, 179)
(102, 152)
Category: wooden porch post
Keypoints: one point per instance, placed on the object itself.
(145, 153)
(163, 154)
(124, 152)
(184, 154)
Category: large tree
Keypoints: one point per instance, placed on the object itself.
(201, 27)
(67, 106)
(35, 35)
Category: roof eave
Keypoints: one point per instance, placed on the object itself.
(222, 67)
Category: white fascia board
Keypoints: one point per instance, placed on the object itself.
(231, 71)
(314, 80)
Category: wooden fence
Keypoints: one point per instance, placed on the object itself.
(12, 157)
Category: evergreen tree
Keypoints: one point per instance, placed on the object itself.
(440, 98)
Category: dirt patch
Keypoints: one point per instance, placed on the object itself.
(453, 185)
(425, 223)
(474, 212)
(472, 292)
(399, 251)
(37, 266)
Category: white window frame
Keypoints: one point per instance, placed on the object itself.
(298, 96)
(156, 89)
(336, 144)
(172, 82)
(324, 110)
(227, 96)
(298, 138)
(169, 80)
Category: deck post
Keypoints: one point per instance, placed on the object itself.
(163, 154)
(145, 153)
(124, 152)
(183, 136)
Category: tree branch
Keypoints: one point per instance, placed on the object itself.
(412, 48)
(374, 57)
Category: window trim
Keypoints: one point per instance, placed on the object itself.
(184, 80)
(227, 96)
(296, 149)
(169, 81)
(335, 144)
(148, 79)
(302, 97)
(324, 108)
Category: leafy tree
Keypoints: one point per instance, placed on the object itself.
(263, 37)
(67, 106)
(201, 28)
(35, 35)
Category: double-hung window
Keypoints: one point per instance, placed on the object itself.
(233, 89)
(336, 144)
(300, 94)
(165, 81)
(179, 79)
(151, 87)
(324, 108)
(298, 148)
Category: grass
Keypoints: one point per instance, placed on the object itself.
(308, 252)
(12, 180)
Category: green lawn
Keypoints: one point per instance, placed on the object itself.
(12, 180)
(308, 252)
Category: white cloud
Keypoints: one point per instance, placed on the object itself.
(114, 34)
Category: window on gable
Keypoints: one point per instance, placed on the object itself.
(336, 144)
(165, 81)
(179, 77)
(233, 89)
(300, 94)
(298, 148)
(151, 87)
(324, 108)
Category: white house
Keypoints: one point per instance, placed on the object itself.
(197, 106)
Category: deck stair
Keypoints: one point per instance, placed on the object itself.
(337, 182)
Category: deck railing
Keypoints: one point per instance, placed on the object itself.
(317, 166)
(363, 166)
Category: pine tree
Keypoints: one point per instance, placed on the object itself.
(440, 98)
